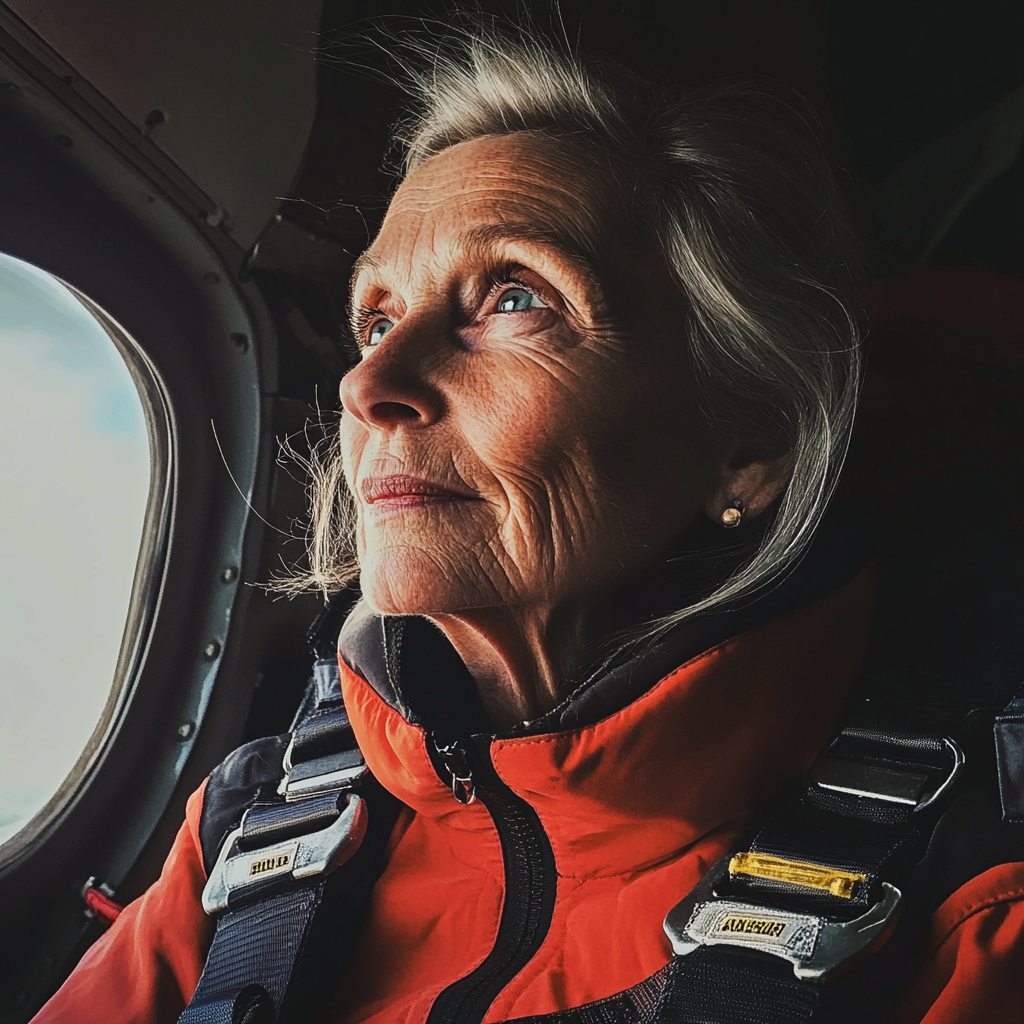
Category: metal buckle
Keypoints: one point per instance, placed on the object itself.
(299, 858)
(329, 774)
(814, 945)
(856, 776)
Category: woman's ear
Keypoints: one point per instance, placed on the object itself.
(747, 482)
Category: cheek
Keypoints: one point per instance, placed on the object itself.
(539, 438)
(528, 427)
(351, 442)
(352, 438)
(595, 448)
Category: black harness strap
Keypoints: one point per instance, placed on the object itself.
(1009, 734)
(714, 986)
(817, 889)
(285, 916)
(821, 918)
(261, 941)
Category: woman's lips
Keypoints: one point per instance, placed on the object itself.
(398, 491)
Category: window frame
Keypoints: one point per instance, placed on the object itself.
(149, 568)
(89, 201)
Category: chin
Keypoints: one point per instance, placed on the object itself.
(408, 582)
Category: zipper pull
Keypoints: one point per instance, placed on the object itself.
(463, 786)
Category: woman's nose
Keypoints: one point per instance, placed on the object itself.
(388, 388)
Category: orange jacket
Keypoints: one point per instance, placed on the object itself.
(636, 807)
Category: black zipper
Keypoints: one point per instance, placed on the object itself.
(530, 882)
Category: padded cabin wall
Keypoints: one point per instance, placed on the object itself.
(234, 82)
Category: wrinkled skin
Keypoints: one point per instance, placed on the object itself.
(520, 436)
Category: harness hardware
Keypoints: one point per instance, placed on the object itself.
(329, 774)
(911, 771)
(856, 823)
(811, 876)
(816, 946)
(303, 857)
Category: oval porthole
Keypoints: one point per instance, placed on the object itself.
(80, 462)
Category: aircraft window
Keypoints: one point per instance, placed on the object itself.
(75, 466)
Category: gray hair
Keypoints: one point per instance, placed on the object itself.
(747, 213)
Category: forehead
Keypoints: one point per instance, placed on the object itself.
(470, 193)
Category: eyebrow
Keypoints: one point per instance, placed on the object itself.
(487, 237)
(365, 261)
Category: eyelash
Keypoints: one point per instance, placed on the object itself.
(363, 319)
(507, 280)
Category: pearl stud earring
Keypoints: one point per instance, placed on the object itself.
(732, 514)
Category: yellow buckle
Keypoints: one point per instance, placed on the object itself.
(810, 876)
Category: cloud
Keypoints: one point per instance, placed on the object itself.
(74, 461)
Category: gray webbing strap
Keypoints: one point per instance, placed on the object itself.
(276, 870)
(253, 959)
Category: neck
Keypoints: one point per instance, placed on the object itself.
(520, 658)
(524, 658)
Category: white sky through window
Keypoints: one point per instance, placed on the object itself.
(74, 479)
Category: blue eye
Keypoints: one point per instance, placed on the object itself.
(377, 332)
(515, 300)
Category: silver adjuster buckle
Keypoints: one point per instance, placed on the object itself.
(302, 857)
(814, 945)
(329, 774)
(879, 775)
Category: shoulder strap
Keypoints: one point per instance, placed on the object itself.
(822, 916)
(281, 816)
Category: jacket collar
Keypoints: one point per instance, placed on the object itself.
(661, 758)
(414, 669)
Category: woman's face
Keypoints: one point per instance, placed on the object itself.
(521, 429)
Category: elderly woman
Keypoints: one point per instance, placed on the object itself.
(607, 377)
